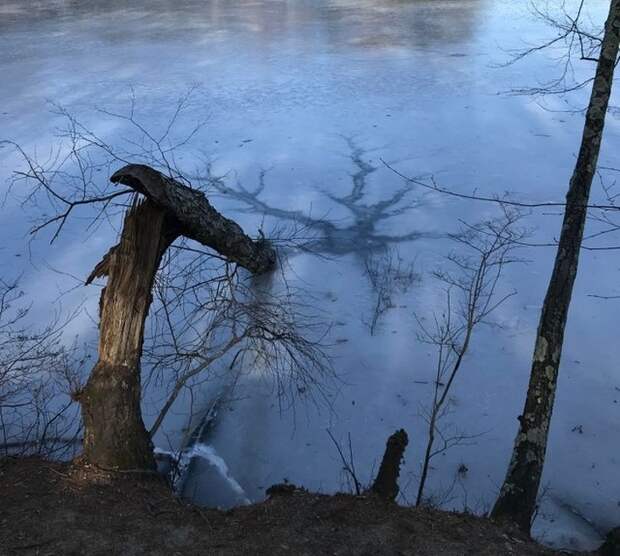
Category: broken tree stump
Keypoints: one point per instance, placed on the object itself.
(114, 433)
(386, 482)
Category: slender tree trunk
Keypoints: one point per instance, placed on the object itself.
(114, 433)
(427, 459)
(517, 499)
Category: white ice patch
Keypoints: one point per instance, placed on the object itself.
(207, 453)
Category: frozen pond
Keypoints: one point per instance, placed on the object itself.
(317, 94)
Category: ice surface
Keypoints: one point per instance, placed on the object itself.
(295, 87)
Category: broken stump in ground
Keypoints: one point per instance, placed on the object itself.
(114, 434)
(386, 482)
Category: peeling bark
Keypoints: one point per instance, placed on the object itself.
(386, 483)
(517, 499)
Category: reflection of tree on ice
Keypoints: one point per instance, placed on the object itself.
(359, 236)
(386, 271)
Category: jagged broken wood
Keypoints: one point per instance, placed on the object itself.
(114, 434)
(386, 482)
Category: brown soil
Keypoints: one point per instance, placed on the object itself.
(51, 508)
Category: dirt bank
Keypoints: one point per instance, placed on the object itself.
(51, 508)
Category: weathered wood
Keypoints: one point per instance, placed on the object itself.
(517, 499)
(386, 483)
(197, 218)
(114, 433)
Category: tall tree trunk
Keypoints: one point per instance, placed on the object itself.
(114, 433)
(517, 499)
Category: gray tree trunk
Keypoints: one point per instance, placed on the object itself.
(114, 433)
(517, 498)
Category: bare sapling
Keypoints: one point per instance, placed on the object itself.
(472, 293)
(37, 379)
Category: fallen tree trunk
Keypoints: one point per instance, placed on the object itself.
(197, 219)
(114, 433)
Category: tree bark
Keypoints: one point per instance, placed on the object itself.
(197, 218)
(114, 433)
(517, 499)
(386, 483)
